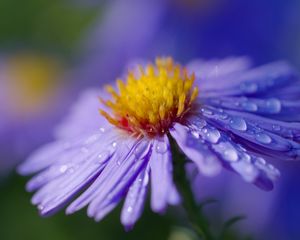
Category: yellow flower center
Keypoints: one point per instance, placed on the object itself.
(148, 104)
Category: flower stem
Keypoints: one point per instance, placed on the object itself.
(195, 215)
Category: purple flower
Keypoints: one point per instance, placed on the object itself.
(221, 114)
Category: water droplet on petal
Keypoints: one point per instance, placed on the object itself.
(41, 207)
(195, 134)
(206, 111)
(249, 106)
(102, 129)
(276, 128)
(161, 147)
(249, 87)
(247, 158)
(211, 135)
(70, 170)
(129, 209)
(238, 123)
(230, 155)
(260, 161)
(199, 123)
(114, 144)
(63, 168)
(273, 105)
(271, 167)
(263, 138)
(223, 116)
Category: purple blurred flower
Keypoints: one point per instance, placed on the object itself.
(30, 96)
(241, 117)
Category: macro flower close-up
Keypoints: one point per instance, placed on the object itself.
(137, 119)
(117, 142)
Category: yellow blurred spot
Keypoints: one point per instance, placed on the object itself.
(151, 102)
(32, 81)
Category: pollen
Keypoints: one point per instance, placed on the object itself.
(152, 99)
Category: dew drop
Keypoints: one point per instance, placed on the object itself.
(211, 135)
(206, 111)
(271, 167)
(161, 147)
(102, 129)
(249, 106)
(230, 155)
(114, 144)
(63, 168)
(223, 116)
(263, 138)
(273, 105)
(238, 123)
(195, 134)
(249, 87)
(102, 156)
(129, 209)
(261, 161)
(41, 207)
(199, 123)
(276, 128)
(247, 158)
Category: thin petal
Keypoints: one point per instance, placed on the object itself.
(60, 152)
(135, 200)
(196, 150)
(115, 179)
(234, 157)
(78, 122)
(254, 134)
(161, 174)
(209, 73)
(267, 106)
(255, 82)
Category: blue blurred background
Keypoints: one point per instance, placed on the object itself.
(50, 50)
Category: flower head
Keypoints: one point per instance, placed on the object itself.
(240, 117)
(150, 104)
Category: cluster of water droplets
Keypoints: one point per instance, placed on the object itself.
(259, 106)
(236, 156)
(240, 126)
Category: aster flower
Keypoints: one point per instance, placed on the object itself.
(220, 114)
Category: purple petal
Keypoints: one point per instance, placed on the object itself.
(209, 73)
(115, 179)
(256, 135)
(232, 156)
(60, 189)
(135, 199)
(196, 150)
(60, 152)
(272, 107)
(161, 174)
(255, 82)
(79, 122)
(119, 182)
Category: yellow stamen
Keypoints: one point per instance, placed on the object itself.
(151, 102)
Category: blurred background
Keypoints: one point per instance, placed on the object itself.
(50, 50)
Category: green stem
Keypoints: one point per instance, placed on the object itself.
(197, 220)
